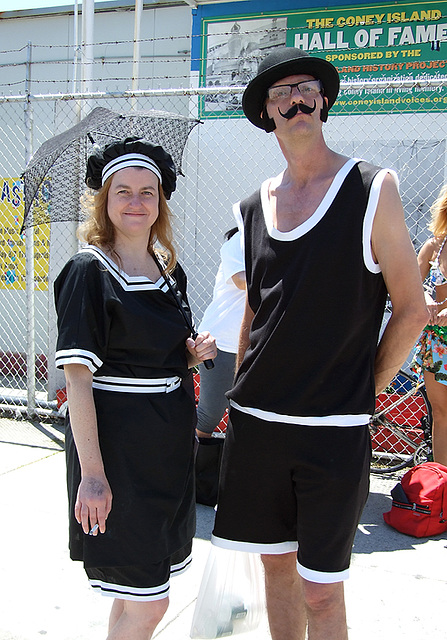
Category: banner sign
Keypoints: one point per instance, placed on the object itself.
(12, 244)
(404, 43)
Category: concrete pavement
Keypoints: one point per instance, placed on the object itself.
(397, 588)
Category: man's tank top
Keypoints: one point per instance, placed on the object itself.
(318, 299)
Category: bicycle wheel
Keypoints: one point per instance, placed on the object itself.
(401, 426)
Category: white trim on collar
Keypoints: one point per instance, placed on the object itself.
(318, 214)
(128, 283)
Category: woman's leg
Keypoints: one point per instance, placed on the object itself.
(115, 613)
(137, 620)
(437, 395)
(213, 385)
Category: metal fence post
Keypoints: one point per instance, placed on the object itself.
(29, 252)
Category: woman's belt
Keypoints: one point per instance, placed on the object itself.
(136, 385)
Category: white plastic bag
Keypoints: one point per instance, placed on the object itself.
(231, 595)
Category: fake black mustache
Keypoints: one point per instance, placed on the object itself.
(297, 107)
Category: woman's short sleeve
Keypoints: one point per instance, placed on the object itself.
(81, 313)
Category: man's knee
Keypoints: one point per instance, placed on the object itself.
(323, 597)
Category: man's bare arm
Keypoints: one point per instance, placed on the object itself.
(394, 252)
(244, 335)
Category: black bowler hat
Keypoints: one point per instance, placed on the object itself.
(283, 62)
(131, 152)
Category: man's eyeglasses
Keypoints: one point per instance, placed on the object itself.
(307, 89)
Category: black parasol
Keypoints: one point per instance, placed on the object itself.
(58, 166)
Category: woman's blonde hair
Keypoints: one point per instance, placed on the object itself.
(438, 224)
(99, 231)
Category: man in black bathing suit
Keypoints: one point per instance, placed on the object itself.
(325, 241)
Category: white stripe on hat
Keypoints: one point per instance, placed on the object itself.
(130, 160)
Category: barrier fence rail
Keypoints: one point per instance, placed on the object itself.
(225, 159)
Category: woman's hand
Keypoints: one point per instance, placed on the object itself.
(94, 497)
(200, 349)
(93, 504)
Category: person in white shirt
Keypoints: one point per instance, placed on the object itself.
(223, 319)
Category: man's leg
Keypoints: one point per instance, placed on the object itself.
(294, 603)
(285, 605)
(325, 608)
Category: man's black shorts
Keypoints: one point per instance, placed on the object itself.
(288, 487)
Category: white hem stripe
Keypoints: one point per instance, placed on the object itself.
(180, 567)
(322, 577)
(349, 420)
(279, 548)
(78, 356)
(122, 592)
(141, 594)
(276, 548)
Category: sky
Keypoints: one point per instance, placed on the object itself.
(15, 5)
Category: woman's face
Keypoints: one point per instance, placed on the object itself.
(132, 201)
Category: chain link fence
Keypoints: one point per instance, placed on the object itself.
(225, 159)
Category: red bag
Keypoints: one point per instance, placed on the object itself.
(420, 501)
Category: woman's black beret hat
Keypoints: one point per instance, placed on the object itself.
(131, 152)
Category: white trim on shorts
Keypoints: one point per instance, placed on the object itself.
(322, 577)
(124, 592)
(140, 594)
(180, 567)
(274, 548)
(278, 548)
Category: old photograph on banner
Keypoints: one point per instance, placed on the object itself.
(404, 43)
